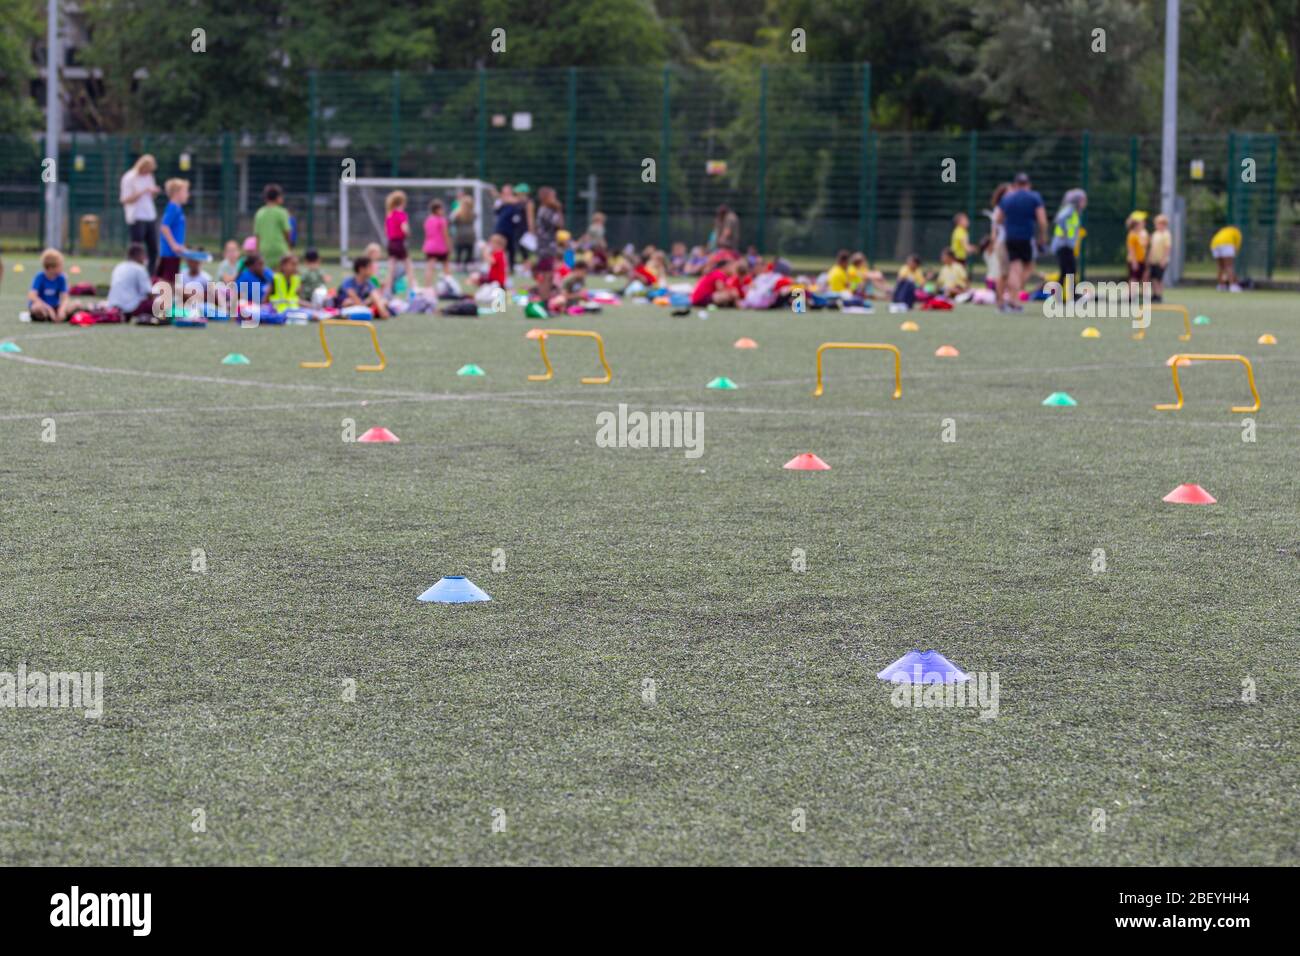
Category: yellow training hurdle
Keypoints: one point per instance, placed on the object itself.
(1178, 390)
(1182, 309)
(352, 324)
(576, 333)
(898, 362)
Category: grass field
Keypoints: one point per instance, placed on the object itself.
(224, 690)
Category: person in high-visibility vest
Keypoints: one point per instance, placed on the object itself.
(1067, 233)
(1224, 247)
(285, 284)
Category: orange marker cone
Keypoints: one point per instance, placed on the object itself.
(946, 351)
(746, 344)
(380, 435)
(1181, 362)
(806, 462)
(1189, 494)
(533, 333)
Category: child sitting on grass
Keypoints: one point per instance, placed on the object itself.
(952, 275)
(129, 289)
(863, 278)
(254, 284)
(286, 284)
(837, 279)
(229, 267)
(359, 289)
(48, 297)
(312, 277)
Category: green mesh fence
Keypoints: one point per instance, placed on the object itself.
(788, 147)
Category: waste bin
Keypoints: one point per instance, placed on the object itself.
(89, 233)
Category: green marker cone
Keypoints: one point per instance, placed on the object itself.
(1201, 320)
(1060, 399)
(9, 347)
(535, 310)
(235, 358)
(722, 382)
(470, 369)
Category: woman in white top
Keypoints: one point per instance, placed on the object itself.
(137, 195)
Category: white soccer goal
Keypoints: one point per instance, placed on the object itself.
(361, 210)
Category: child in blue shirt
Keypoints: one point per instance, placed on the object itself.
(254, 283)
(172, 230)
(47, 300)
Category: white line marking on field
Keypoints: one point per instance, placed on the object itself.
(531, 398)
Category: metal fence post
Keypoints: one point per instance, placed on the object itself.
(971, 174)
(1132, 173)
(570, 171)
(482, 124)
(761, 232)
(313, 105)
(1272, 205)
(864, 163)
(397, 123)
(1083, 219)
(664, 161)
(1231, 179)
(227, 184)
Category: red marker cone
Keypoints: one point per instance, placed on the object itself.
(806, 462)
(746, 344)
(379, 434)
(1189, 494)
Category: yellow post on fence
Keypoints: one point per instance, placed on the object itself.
(1178, 390)
(577, 333)
(349, 323)
(898, 362)
(1181, 309)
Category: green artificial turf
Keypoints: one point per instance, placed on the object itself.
(225, 691)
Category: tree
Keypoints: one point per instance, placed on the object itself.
(22, 22)
(1042, 65)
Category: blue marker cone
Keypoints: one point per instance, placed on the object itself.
(455, 589)
(235, 358)
(1060, 400)
(916, 667)
(9, 347)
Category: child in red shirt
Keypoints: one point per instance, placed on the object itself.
(497, 260)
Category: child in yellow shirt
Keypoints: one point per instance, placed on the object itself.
(1137, 242)
(959, 242)
(838, 279)
(1158, 256)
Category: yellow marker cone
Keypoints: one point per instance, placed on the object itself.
(1268, 338)
(909, 326)
(1091, 332)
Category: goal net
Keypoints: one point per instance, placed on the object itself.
(361, 211)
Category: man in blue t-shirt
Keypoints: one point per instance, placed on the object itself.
(1023, 215)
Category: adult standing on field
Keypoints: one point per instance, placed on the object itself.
(1067, 229)
(549, 220)
(136, 194)
(995, 258)
(1025, 217)
(726, 229)
(272, 227)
